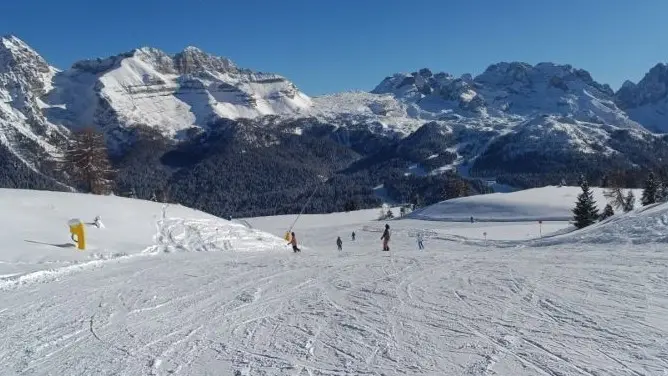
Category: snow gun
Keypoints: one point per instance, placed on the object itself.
(77, 233)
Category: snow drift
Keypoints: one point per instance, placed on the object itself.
(648, 224)
(547, 204)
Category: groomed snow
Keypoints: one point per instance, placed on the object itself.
(549, 203)
(461, 307)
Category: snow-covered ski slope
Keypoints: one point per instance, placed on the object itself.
(549, 203)
(556, 306)
(35, 235)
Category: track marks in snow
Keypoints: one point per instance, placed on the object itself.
(457, 310)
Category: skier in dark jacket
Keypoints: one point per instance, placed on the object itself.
(293, 241)
(386, 238)
(339, 243)
(353, 236)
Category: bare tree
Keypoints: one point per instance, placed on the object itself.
(616, 197)
(87, 161)
(620, 199)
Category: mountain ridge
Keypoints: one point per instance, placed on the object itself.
(549, 120)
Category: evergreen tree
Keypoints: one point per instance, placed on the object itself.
(585, 212)
(629, 201)
(416, 200)
(650, 192)
(87, 161)
(462, 188)
(605, 182)
(607, 212)
(350, 205)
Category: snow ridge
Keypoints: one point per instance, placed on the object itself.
(514, 106)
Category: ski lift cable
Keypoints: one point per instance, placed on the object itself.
(322, 182)
(306, 204)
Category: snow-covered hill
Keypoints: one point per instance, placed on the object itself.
(648, 224)
(36, 239)
(461, 306)
(547, 203)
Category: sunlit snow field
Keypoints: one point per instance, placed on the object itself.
(165, 290)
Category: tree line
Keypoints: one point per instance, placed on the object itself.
(222, 175)
(587, 213)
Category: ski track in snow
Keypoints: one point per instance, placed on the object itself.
(455, 309)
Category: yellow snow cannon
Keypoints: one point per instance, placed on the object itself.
(77, 233)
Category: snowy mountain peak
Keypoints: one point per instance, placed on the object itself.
(652, 88)
(192, 49)
(505, 73)
(506, 90)
(12, 42)
(628, 84)
(194, 60)
(17, 57)
(170, 93)
(659, 68)
(647, 101)
(24, 77)
(523, 74)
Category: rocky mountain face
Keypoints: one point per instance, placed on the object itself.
(508, 90)
(171, 93)
(24, 78)
(176, 122)
(647, 101)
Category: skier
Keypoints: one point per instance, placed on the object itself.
(471, 219)
(293, 241)
(419, 241)
(386, 238)
(353, 236)
(339, 243)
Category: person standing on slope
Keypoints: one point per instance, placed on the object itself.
(353, 236)
(419, 241)
(339, 243)
(386, 238)
(293, 241)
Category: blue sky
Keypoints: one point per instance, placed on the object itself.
(326, 46)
